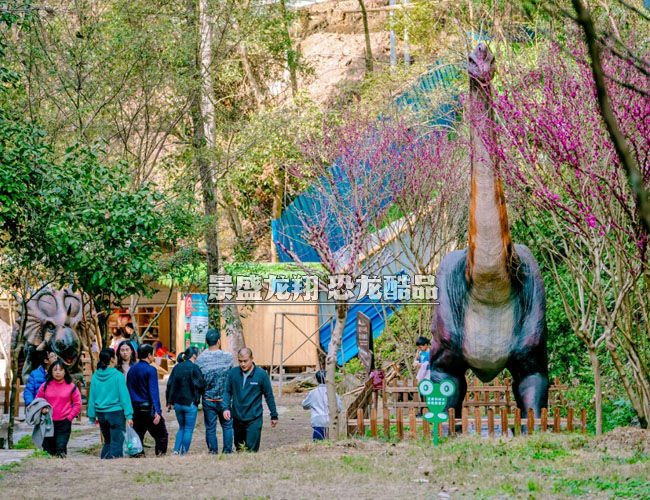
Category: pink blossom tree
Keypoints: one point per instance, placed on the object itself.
(373, 182)
(558, 157)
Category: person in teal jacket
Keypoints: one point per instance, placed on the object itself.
(109, 404)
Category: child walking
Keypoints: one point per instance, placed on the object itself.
(65, 400)
(316, 401)
(422, 360)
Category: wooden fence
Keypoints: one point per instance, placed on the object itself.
(5, 390)
(487, 408)
(555, 423)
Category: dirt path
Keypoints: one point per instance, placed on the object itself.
(293, 428)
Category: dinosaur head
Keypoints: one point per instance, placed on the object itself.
(55, 317)
(480, 64)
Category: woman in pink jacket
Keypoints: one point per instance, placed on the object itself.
(65, 400)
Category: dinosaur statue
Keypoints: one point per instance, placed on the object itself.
(492, 307)
(54, 320)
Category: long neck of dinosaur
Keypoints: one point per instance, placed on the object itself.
(490, 247)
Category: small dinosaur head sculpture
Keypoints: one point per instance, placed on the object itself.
(55, 318)
(480, 64)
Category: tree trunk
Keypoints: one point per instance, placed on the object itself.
(276, 210)
(366, 32)
(330, 367)
(16, 346)
(14, 389)
(598, 391)
(233, 326)
(202, 116)
(292, 55)
(250, 75)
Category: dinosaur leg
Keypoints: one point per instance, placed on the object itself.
(531, 391)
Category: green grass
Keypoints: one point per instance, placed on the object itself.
(539, 467)
(154, 477)
(91, 450)
(25, 443)
(619, 487)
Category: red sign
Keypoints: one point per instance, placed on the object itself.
(189, 306)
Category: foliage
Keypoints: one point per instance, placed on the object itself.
(555, 153)
(111, 235)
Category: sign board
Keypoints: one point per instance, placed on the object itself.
(364, 342)
(196, 319)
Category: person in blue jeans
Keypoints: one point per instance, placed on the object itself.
(214, 364)
(184, 389)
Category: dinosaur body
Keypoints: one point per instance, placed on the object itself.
(492, 308)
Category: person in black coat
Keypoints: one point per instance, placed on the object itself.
(184, 389)
(242, 399)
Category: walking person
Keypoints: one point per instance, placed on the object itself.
(142, 382)
(184, 389)
(316, 401)
(214, 365)
(242, 400)
(109, 404)
(65, 400)
(126, 357)
(37, 377)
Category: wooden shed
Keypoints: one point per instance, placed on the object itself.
(298, 320)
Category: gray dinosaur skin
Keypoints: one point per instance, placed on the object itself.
(527, 358)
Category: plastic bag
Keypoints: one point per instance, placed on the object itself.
(132, 443)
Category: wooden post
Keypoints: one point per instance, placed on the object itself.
(583, 421)
(399, 415)
(544, 419)
(386, 423)
(413, 425)
(490, 415)
(87, 396)
(556, 420)
(517, 431)
(464, 420)
(504, 421)
(426, 430)
(531, 421)
(373, 422)
(361, 431)
(17, 399)
(477, 420)
(569, 420)
(452, 422)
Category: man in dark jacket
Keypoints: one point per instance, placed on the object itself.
(142, 382)
(242, 398)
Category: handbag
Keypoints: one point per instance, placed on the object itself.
(132, 443)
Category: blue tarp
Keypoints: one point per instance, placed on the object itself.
(287, 231)
(377, 314)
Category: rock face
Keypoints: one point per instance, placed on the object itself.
(331, 40)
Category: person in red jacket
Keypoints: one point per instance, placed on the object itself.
(65, 400)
